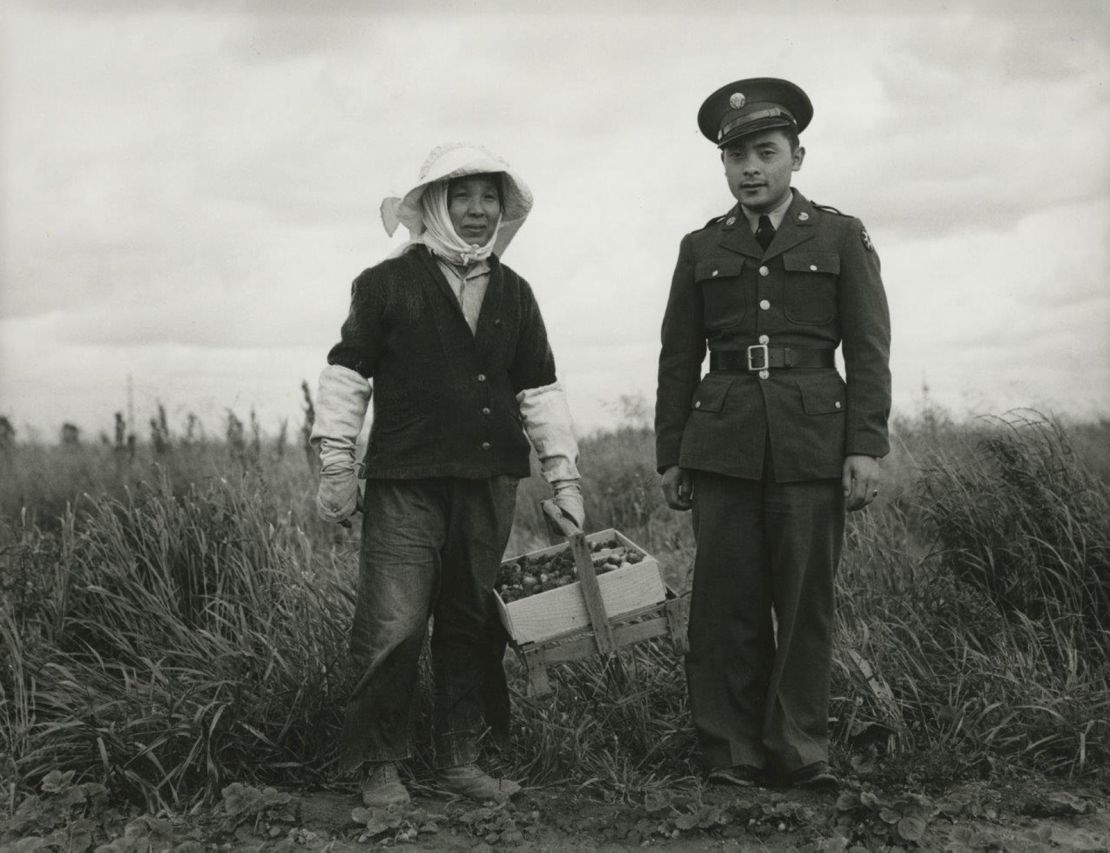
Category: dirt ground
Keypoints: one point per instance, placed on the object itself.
(695, 817)
(1017, 815)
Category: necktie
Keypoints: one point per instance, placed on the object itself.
(765, 233)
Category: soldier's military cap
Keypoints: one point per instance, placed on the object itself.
(752, 105)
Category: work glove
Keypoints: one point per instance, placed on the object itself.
(341, 402)
(549, 427)
(568, 497)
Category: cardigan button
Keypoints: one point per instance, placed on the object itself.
(481, 377)
(486, 445)
(485, 410)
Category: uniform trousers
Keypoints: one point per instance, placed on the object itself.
(430, 548)
(759, 685)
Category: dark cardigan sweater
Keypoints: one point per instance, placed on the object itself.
(444, 398)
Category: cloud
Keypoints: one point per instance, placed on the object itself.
(967, 117)
(189, 191)
(1006, 318)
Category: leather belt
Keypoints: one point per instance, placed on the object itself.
(764, 357)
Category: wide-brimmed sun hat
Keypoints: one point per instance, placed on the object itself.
(457, 160)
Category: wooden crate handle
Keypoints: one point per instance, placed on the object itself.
(591, 593)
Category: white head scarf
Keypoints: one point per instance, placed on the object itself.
(425, 215)
(439, 232)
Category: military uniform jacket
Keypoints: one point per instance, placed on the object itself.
(444, 397)
(817, 286)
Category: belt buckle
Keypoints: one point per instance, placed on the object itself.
(762, 350)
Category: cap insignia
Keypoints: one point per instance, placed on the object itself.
(737, 100)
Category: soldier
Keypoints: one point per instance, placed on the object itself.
(463, 379)
(771, 446)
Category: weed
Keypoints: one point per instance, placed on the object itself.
(168, 629)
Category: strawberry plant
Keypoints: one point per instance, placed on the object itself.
(394, 825)
(248, 810)
(503, 823)
(902, 819)
(65, 816)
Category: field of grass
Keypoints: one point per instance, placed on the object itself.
(173, 619)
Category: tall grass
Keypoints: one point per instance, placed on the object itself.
(995, 642)
(1023, 520)
(184, 623)
(169, 640)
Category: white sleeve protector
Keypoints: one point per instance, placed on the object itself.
(342, 398)
(549, 427)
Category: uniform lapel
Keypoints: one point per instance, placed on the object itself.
(796, 226)
(736, 235)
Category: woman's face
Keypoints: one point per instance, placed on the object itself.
(474, 205)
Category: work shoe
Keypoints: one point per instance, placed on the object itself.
(814, 777)
(469, 780)
(740, 776)
(382, 787)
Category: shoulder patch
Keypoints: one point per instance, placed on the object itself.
(828, 208)
(866, 239)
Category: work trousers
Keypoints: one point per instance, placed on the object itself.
(430, 548)
(759, 685)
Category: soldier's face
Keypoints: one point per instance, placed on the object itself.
(759, 167)
(474, 205)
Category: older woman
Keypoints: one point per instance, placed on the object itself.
(454, 344)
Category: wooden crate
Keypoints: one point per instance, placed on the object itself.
(595, 615)
(562, 611)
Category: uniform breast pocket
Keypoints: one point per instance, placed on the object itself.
(810, 297)
(721, 290)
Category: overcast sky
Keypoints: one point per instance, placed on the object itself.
(189, 188)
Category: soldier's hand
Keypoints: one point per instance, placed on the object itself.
(862, 480)
(678, 488)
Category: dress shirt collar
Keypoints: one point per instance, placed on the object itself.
(776, 215)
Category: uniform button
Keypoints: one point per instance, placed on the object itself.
(763, 374)
(486, 445)
(481, 377)
(803, 216)
(764, 304)
(813, 267)
(764, 271)
(485, 410)
(764, 339)
(715, 273)
(697, 405)
(837, 404)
